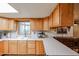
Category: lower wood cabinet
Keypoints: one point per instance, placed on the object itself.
(26, 47)
(22, 47)
(31, 47)
(31, 51)
(31, 44)
(1, 48)
(12, 47)
(6, 50)
(39, 48)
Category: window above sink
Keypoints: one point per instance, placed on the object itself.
(24, 28)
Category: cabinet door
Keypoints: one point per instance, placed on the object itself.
(46, 24)
(22, 47)
(12, 25)
(32, 24)
(36, 24)
(56, 20)
(66, 14)
(31, 47)
(1, 48)
(39, 24)
(3, 24)
(5, 46)
(51, 20)
(39, 48)
(13, 47)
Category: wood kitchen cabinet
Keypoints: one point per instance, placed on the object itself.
(1, 48)
(62, 15)
(13, 47)
(66, 14)
(46, 23)
(50, 20)
(31, 47)
(3, 24)
(6, 47)
(7, 24)
(39, 48)
(22, 47)
(36, 24)
(56, 20)
(12, 25)
(31, 44)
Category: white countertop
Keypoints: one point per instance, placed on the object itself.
(21, 39)
(54, 47)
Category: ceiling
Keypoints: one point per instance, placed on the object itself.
(30, 10)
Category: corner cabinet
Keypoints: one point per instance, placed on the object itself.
(56, 17)
(62, 15)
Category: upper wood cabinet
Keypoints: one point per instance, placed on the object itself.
(3, 24)
(6, 24)
(62, 15)
(66, 14)
(56, 20)
(36, 24)
(46, 23)
(12, 25)
(50, 20)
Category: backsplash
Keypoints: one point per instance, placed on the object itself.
(68, 34)
(7, 34)
(36, 34)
